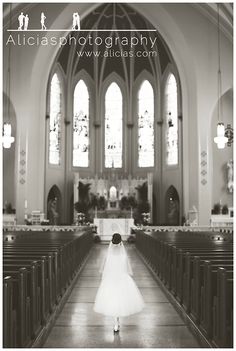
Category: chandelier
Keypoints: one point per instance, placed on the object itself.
(220, 139)
(7, 138)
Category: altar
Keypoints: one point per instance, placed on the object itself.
(113, 203)
(106, 227)
(112, 196)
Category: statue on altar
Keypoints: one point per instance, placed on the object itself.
(113, 201)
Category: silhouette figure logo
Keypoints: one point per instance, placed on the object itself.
(76, 21)
(23, 21)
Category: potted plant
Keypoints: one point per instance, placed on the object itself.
(102, 203)
(216, 209)
(9, 209)
(225, 209)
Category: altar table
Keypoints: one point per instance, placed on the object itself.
(106, 227)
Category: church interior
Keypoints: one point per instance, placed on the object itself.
(117, 118)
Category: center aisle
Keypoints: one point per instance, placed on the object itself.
(157, 326)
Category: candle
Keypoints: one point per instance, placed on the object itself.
(131, 214)
(25, 204)
(96, 212)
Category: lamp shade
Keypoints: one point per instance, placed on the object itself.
(7, 139)
(220, 139)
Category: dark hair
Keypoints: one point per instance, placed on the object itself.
(116, 238)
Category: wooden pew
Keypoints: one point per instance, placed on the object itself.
(164, 255)
(54, 259)
(209, 291)
(222, 309)
(197, 281)
(177, 264)
(9, 314)
(37, 271)
(35, 289)
(45, 278)
(179, 260)
(192, 276)
(21, 306)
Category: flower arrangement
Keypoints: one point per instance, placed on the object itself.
(146, 218)
(80, 220)
(219, 209)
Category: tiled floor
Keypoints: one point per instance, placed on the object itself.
(157, 326)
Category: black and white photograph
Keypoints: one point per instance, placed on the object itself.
(117, 175)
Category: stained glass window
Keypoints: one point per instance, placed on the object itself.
(81, 126)
(146, 125)
(55, 121)
(171, 121)
(113, 126)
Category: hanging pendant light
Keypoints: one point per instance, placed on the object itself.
(7, 138)
(220, 139)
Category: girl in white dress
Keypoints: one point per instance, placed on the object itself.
(117, 295)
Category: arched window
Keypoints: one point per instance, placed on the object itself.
(81, 125)
(171, 121)
(113, 126)
(55, 121)
(146, 125)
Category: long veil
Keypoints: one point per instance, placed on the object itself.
(116, 261)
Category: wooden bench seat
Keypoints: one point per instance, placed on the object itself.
(222, 309)
(188, 265)
(208, 293)
(34, 291)
(37, 272)
(184, 272)
(195, 281)
(177, 262)
(9, 314)
(47, 283)
(20, 308)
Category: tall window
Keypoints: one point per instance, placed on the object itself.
(113, 126)
(81, 126)
(55, 121)
(146, 125)
(171, 121)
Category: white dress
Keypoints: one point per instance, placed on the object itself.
(117, 295)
